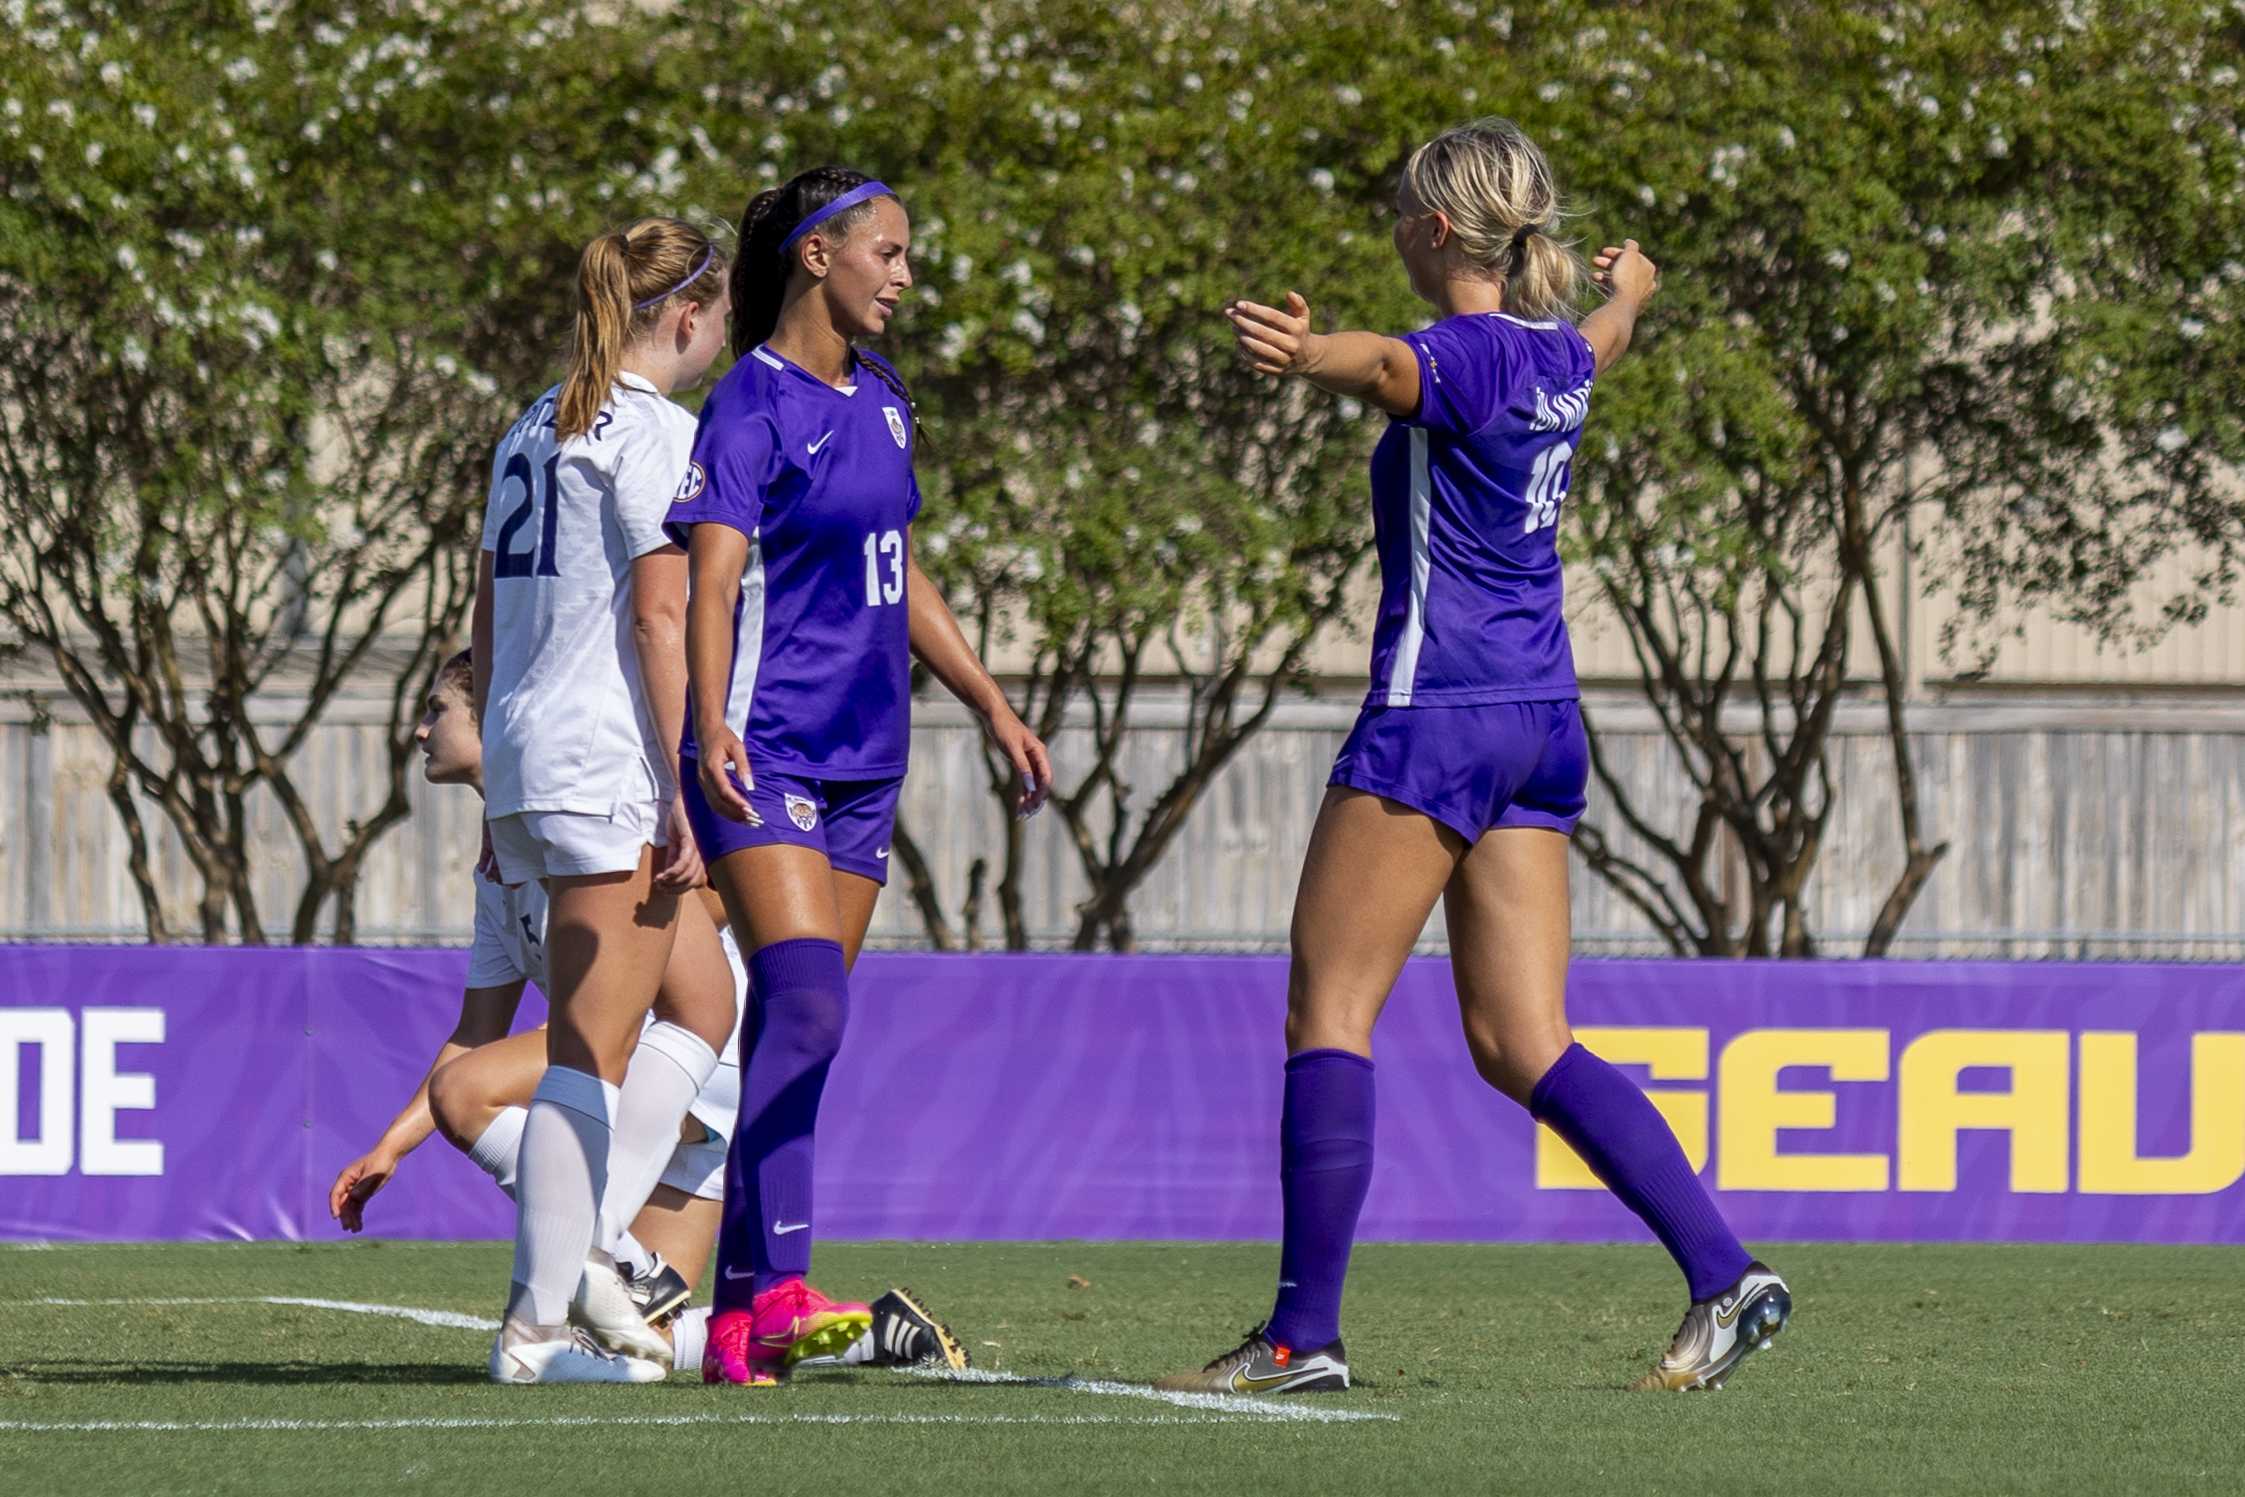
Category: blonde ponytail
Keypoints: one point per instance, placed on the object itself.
(1495, 187)
(625, 280)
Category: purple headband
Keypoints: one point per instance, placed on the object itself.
(848, 200)
(692, 276)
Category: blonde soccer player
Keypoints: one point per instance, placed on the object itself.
(580, 678)
(1467, 769)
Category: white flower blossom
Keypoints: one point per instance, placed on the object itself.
(1786, 138)
(1321, 179)
(1349, 97)
(128, 257)
(241, 70)
(134, 355)
(2171, 439)
(112, 73)
(2192, 328)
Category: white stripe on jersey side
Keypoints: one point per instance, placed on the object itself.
(748, 636)
(1405, 669)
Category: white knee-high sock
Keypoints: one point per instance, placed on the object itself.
(667, 1070)
(498, 1149)
(689, 1337)
(562, 1173)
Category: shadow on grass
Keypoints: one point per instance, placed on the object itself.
(81, 1373)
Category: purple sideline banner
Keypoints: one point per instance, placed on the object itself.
(153, 1093)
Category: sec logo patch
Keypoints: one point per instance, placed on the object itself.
(691, 486)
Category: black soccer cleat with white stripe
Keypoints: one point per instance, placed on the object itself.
(905, 1334)
(660, 1293)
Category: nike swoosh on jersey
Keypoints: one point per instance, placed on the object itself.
(821, 442)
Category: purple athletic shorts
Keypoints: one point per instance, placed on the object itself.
(1473, 768)
(848, 820)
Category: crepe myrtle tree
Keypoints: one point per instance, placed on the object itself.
(271, 277)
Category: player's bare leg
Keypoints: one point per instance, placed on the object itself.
(1508, 915)
(608, 939)
(1369, 880)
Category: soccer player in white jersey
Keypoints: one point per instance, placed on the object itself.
(581, 692)
(479, 1087)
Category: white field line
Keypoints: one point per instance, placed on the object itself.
(551, 1421)
(1214, 1403)
(448, 1319)
(1234, 1404)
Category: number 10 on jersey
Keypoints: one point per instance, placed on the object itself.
(884, 553)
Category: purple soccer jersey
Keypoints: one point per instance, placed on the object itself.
(1465, 508)
(820, 481)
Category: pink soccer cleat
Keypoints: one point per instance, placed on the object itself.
(794, 1321)
(731, 1354)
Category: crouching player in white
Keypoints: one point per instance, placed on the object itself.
(478, 1090)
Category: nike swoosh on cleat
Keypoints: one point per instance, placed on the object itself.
(1241, 1382)
(1727, 1321)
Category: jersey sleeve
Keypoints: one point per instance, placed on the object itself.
(491, 962)
(491, 500)
(1469, 371)
(648, 466)
(734, 463)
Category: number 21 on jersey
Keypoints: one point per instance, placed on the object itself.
(884, 568)
(535, 560)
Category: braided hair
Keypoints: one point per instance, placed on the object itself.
(761, 272)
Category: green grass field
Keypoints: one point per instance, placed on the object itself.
(1489, 1368)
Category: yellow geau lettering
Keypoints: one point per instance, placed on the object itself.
(1670, 1055)
(2110, 1164)
(1753, 1107)
(2032, 1110)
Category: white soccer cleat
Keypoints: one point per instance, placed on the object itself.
(570, 1358)
(1719, 1333)
(604, 1306)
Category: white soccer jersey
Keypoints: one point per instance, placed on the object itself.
(510, 946)
(567, 728)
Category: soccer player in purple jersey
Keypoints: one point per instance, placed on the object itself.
(806, 610)
(1466, 771)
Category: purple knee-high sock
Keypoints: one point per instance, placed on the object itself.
(1627, 1144)
(799, 1004)
(1325, 1166)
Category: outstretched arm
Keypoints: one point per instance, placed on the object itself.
(1367, 366)
(485, 1014)
(1630, 279)
(943, 648)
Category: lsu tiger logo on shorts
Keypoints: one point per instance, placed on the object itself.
(801, 812)
(896, 423)
(691, 486)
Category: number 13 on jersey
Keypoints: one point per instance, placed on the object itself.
(884, 553)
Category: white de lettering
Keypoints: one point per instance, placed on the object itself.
(78, 1104)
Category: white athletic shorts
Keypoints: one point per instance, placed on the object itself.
(698, 1169)
(542, 844)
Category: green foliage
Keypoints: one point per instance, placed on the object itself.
(271, 277)
(1961, 279)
